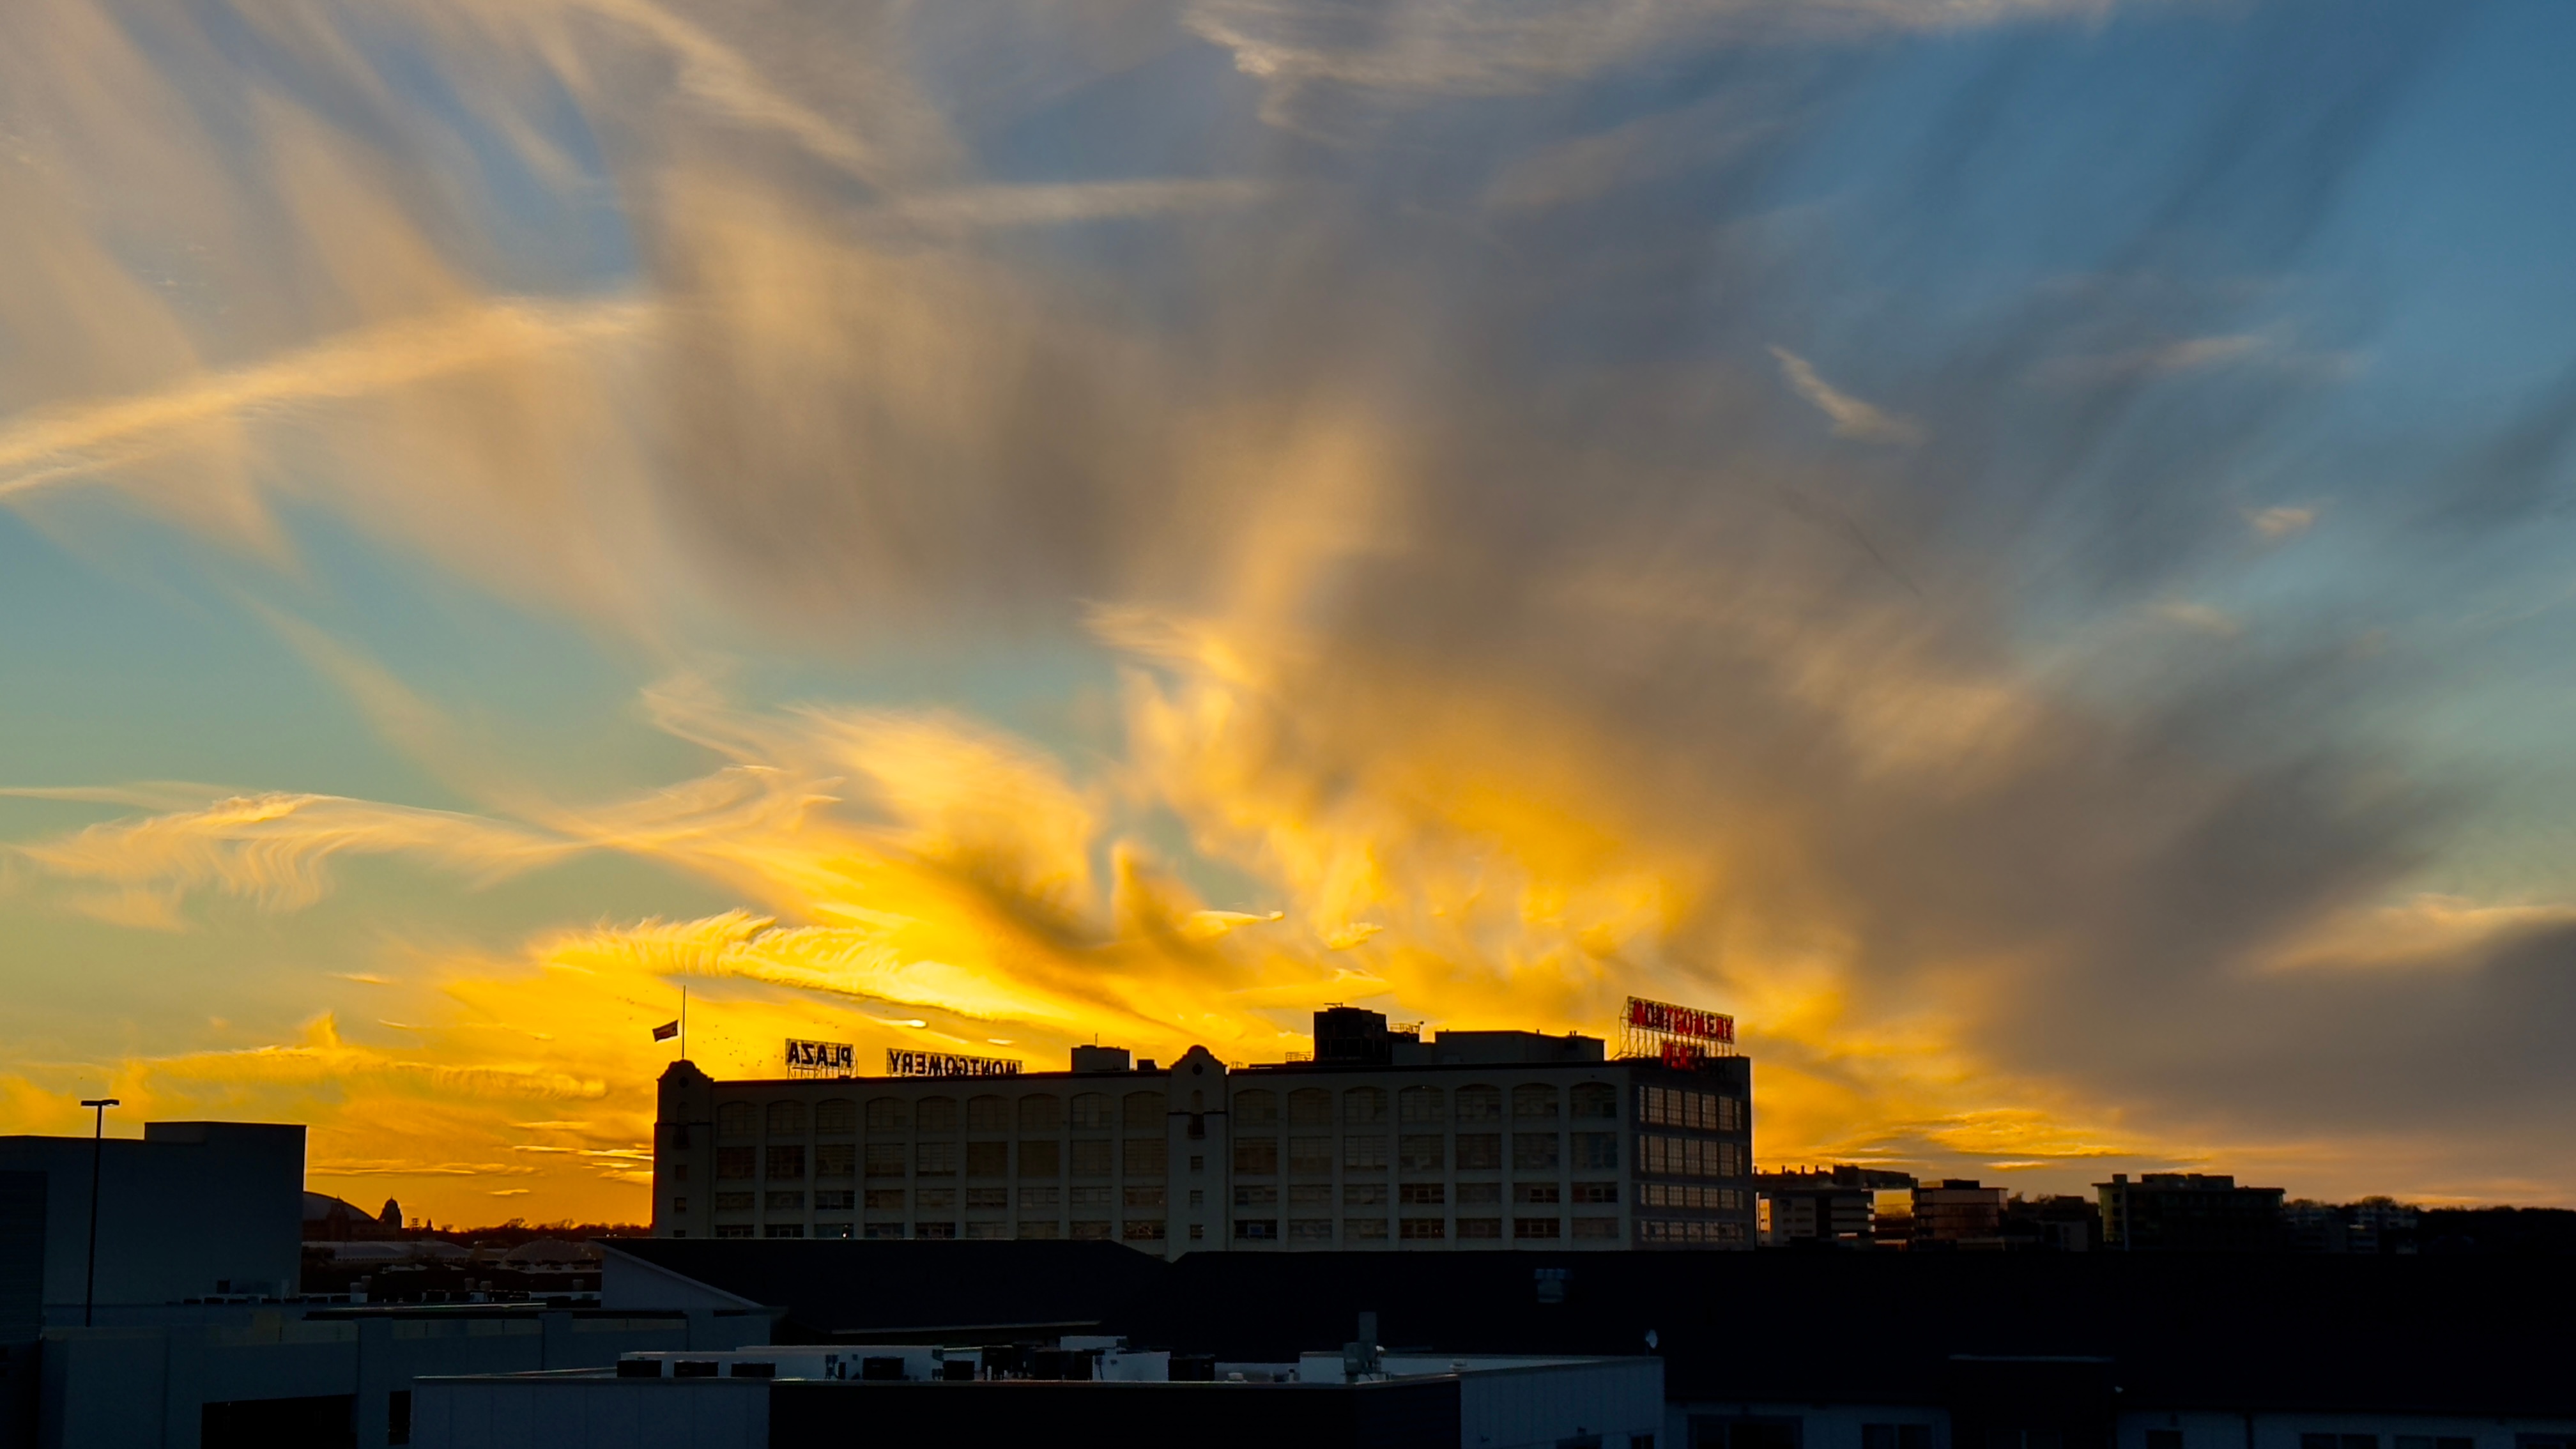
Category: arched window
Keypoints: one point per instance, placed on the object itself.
(935, 1114)
(886, 1114)
(786, 1119)
(836, 1116)
(988, 1114)
(1256, 1109)
(1534, 1101)
(1090, 1109)
(1595, 1099)
(1362, 1106)
(1041, 1112)
(1312, 1107)
(1480, 1104)
(738, 1119)
(1421, 1106)
(1143, 1110)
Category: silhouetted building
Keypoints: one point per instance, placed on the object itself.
(193, 1208)
(328, 1219)
(2190, 1212)
(2373, 1225)
(1468, 1141)
(2062, 1223)
(1836, 1205)
(1957, 1210)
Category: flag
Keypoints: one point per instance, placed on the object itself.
(666, 1031)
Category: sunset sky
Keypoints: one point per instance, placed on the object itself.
(2025, 548)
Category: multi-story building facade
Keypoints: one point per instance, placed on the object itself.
(2190, 1212)
(1469, 1141)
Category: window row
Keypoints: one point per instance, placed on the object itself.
(1665, 1230)
(1313, 1106)
(1320, 1230)
(1366, 1106)
(1680, 1195)
(1698, 1111)
(1427, 1152)
(1135, 1157)
(1035, 1112)
(1688, 1157)
(1423, 1194)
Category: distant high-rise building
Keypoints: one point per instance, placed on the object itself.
(2189, 1212)
(1957, 1210)
(1835, 1204)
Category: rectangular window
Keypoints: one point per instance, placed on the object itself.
(1041, 1158)
(1310, 1154)
(1418, 1229)
(988, 1159)
(679, 1204)
(1091, 1158)
(1480, 1227)
(733, 1230)
(734, 1202)
(1088, 1231)
(1256, 1156)
(1479, 1194)
(1596, 1229)
(1310, 1230)
(1596, 1192)
(988, 1230)
(829, 1202)
(882, 1230)
(988, 1197)
(1422, 1194)
(1257, 1230)
(1537, 1228)
(1144, 1197)
(786, 1202)
(1037, 1227)
(1310, 1194)
(1358, 1230)
(736, 1164)
(935, 1159)
(935, 1230)
(1534, 1152)
(1146, 1156)
(1421, 1152)
(1041, 1197)
(1266, 1195)
(831, 1230)
(1364, 1152)
(885, 1159)
(1363, 1194)
(942, 1199)
(1479, 1151)
(1094, 1197)
(785, 1230)
(1536, 1192)
(885, 1200)
(835, 1160)
(1730, 1160)
(1142, 1230)
(786, 1164)
(1596, 1151)
(1731, 1115)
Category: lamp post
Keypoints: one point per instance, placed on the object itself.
(97, 1151)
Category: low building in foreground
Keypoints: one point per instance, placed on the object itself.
(1073, 1394)
(1466, 1141)
(190, 1209)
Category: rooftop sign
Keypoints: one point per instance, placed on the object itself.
(821, 1059)
(1661, 1029)
(944, 1064)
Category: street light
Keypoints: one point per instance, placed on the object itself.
(97, 1149)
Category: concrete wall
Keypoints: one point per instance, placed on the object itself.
(605, 1413)
(191, 1206)
(1538, 1408)
(146, 1387)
